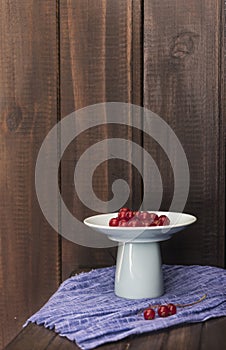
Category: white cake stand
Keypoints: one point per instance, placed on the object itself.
(139, 265)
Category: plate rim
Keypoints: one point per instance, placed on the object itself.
(115, 228)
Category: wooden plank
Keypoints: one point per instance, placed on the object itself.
(32, 337)
(223, 121)
(29, 273)
(97, 66)
(197, 336)
(185, 337)
(62, 344)
(149, 341)
(182, 84)
(213, 334)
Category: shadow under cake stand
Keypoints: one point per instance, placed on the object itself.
(139, 265)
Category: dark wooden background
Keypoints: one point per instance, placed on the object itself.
(59, 56)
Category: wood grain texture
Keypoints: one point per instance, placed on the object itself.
(183, 85)
(32, 337)
(209, 329)
(28, 82)
(100, 59)
(186, 337)
(199, 336)
(222, 144)
(60, 56)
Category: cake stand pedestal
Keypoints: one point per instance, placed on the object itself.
(139, 266)
(139, 271)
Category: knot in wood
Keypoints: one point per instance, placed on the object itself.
(13, 119)
(183, 45)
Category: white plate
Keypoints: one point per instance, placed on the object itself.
(178, 221)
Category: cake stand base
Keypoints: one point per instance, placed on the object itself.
(139, 271)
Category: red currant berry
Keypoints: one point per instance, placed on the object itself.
(149, 314)
(129, 215)
(163, 220)
(134, 222)
(144, 215)
(159, 222)
(114, 222)
(123, 223)
(124, 209)
(172, 309)
(163, 311)
(154, 223)
(153, 216)
(122, 215)
(145, 223)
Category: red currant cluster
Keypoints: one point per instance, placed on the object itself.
(167, 310)
(129, 218)
(163, 311)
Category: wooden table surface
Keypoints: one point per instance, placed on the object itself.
(208, 335)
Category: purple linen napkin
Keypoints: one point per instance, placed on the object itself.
(85, 309)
